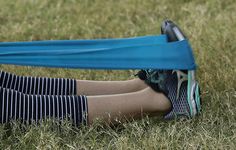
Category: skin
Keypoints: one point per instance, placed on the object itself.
(113, 101)
(88, 87)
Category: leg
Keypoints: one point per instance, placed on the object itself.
(127, 106)
(60, 86)
(38, 85)
(35, 108)
(85, 87)
(28, 109)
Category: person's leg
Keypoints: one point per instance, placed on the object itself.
(87, 87)
(38, 85)
(63, 86)
(122, 107)
(15, 105)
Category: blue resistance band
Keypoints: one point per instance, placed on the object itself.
(147, 52)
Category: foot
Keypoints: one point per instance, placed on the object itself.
(179, 87)
(183, 92)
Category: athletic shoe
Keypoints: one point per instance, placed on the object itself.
(184, 94)
(179, 87)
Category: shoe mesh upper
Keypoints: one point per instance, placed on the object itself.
(180, 106)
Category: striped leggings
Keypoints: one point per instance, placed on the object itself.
(33, 99)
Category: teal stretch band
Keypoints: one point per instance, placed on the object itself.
(152, 52)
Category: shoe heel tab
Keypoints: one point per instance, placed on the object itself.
(173, 32)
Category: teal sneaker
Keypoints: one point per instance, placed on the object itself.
(184, 94)
(179, 86)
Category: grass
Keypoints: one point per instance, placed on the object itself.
(211, 28)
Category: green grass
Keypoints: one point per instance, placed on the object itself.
(211, 28)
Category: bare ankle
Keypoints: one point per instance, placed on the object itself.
(158, 101)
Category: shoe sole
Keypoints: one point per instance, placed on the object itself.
(193, 98)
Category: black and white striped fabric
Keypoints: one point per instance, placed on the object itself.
(38, 85)
(28, 106)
